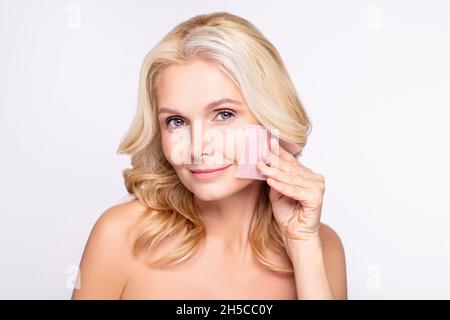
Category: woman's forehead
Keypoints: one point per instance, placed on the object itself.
(194, 85)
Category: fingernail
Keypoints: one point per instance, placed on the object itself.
(266, 157)
(267, 170)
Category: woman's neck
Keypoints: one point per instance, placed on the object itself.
(229, 221)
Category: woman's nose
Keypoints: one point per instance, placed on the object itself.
(200, 144)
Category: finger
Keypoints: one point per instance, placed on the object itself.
(285, 177)
(279, 157)
(293, 167)
(280, 151)
(288, 190)
(288, 166)
(301, 169)
(307, 197)
(275, 162)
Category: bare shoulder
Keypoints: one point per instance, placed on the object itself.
(334, 256)
(329, 236)
(103, 268)
(122, 216)
(115, 225)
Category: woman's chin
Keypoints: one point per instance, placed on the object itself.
(211, 193)
(217, 191)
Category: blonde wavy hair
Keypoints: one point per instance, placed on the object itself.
(239, 49)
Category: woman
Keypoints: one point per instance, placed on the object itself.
(194, 230)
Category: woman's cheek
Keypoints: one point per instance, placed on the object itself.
(176, 147)
(234, 144)
(167, 150)
(225, 145)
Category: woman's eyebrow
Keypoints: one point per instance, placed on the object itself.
(206, 108)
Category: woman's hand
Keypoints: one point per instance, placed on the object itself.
(296, 194)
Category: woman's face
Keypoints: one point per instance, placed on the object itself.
(201, 114)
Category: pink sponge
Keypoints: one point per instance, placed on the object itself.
(256, 142)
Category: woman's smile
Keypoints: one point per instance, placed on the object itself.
(207, 174)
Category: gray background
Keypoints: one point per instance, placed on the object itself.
(374, 77)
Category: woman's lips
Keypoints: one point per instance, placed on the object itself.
(209, 173)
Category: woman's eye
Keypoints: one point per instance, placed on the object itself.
(174, 122)
(225, 115)
(222, 116)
